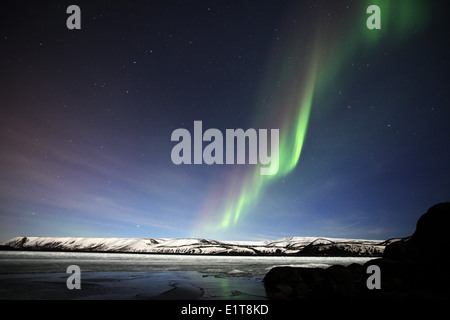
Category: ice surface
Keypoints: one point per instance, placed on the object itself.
(56, 262)
(42, 275)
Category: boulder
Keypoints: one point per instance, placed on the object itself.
(292, 283)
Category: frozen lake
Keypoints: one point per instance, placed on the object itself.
(42, 275)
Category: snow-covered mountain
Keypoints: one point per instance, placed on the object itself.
(285, 246)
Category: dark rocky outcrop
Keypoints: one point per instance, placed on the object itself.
(335, 282)
(410, 268)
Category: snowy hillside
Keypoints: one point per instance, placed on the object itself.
(286, 246)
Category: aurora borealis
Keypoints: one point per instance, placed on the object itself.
(324, 59)
(87, 118)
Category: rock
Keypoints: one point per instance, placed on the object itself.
(430, 240)
(416, 267)
(396, 250)
(411, 268)
(433, 225)
(335, 282)
(279, 282)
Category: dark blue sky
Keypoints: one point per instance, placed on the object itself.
(87, 118)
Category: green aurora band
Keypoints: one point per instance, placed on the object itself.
(333, 47)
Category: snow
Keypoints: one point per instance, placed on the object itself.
(291, 245)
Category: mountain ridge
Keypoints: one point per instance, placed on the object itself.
(284, 246)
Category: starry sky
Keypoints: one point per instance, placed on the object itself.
(87, 117)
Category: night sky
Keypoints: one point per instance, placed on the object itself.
(87, 117)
